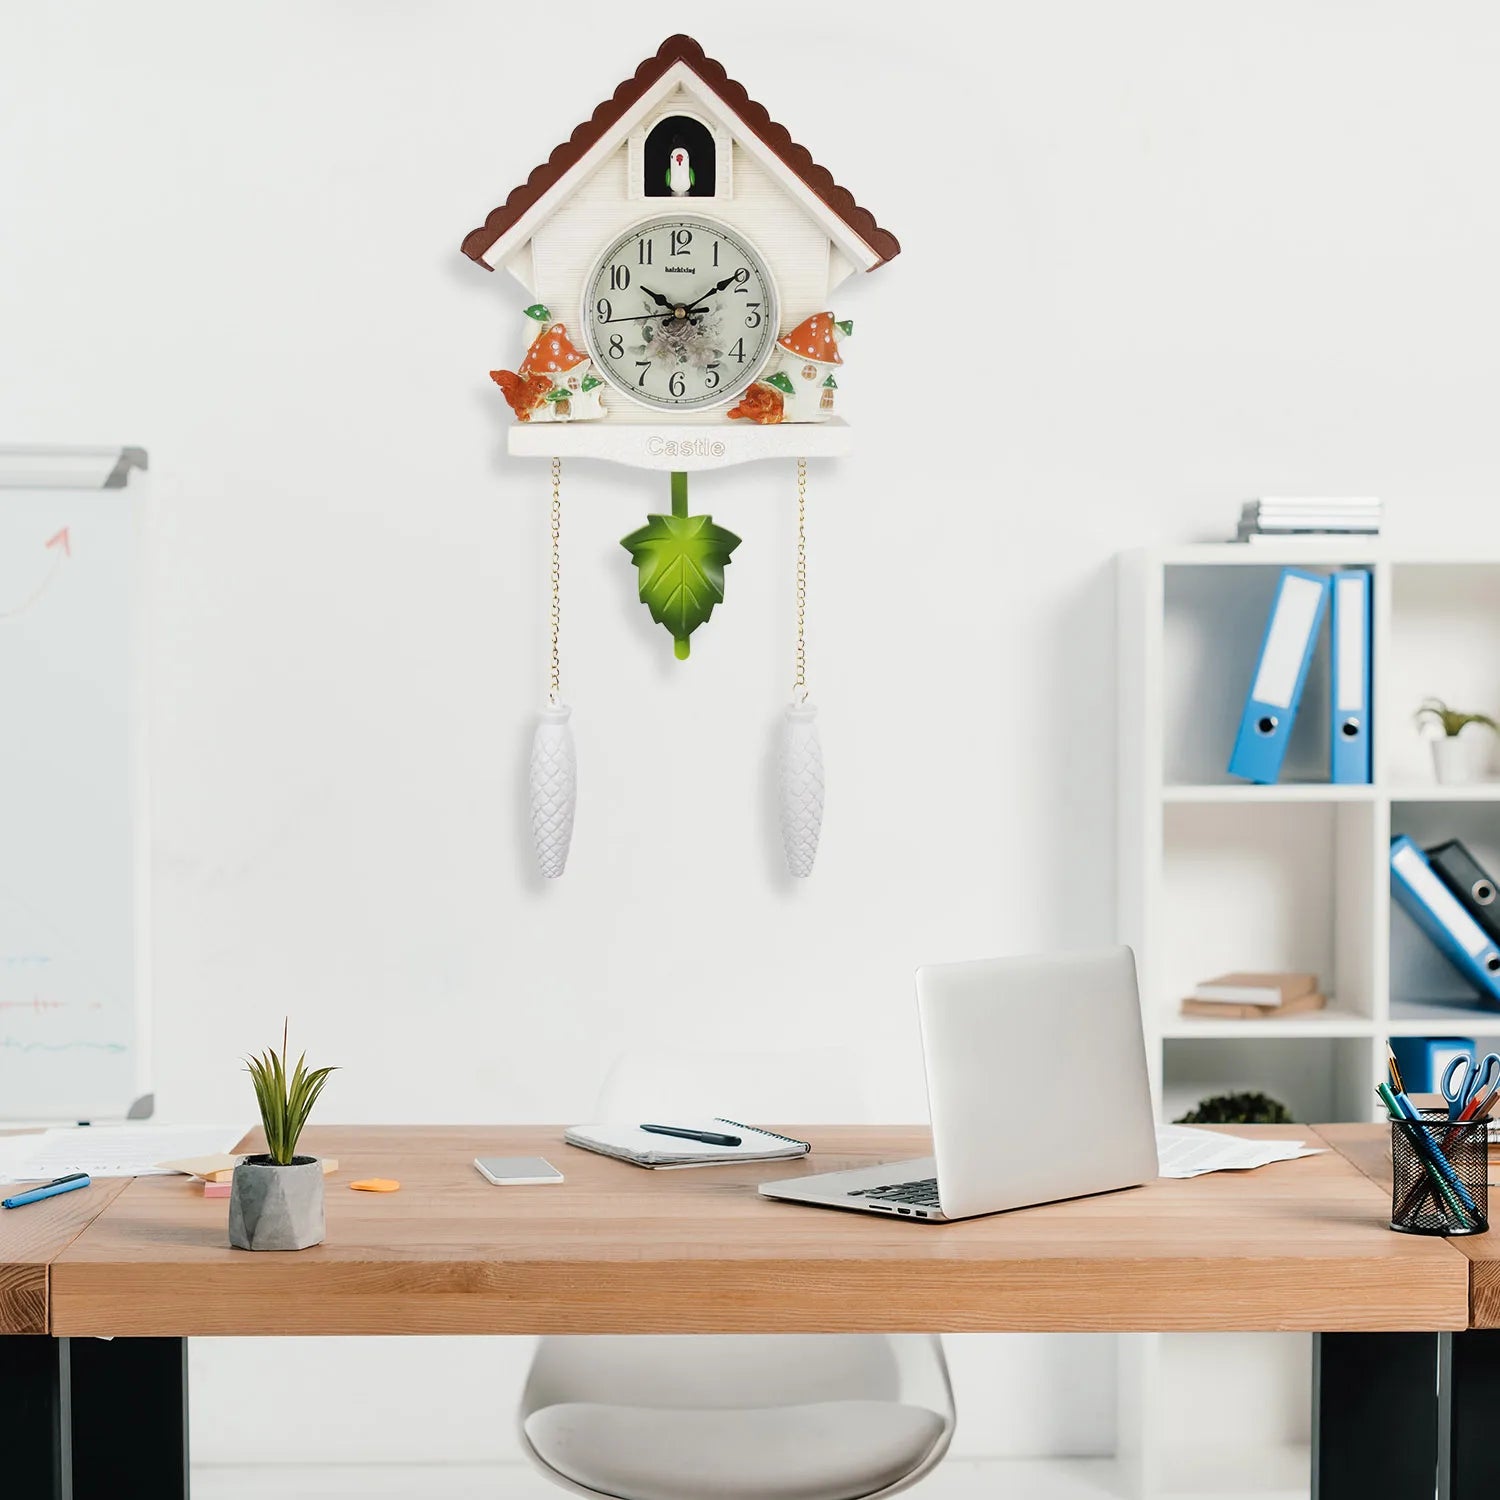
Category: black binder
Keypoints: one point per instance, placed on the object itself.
(1470, 882)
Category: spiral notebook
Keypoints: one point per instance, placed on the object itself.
(631, 1143)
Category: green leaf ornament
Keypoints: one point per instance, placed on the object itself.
(680, 561)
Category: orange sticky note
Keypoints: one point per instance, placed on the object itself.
(376, 1185)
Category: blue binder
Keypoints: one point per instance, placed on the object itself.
(1422, 1059)
(1285, 655)
(1436, 910)
(1349, 635)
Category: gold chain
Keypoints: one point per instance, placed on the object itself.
(800, 685)
(556, 690)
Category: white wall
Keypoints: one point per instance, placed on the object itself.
(1214, 250)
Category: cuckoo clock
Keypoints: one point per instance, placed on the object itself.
(679, 253)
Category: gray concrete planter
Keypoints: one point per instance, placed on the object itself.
(276, 1208)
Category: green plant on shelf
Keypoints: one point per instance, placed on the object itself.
(1450, 720)
(1238, 1109)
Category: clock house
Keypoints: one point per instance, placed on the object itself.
(678, 245)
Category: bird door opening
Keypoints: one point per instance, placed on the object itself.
(680, 159)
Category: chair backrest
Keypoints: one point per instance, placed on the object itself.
(811, 1086)
(694, 1371)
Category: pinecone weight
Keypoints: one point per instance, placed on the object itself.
(554, 789)
(801, 787)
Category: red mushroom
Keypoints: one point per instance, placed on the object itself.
(814, 338)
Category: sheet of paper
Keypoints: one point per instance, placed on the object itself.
(1184, 1152)
(109, 1150)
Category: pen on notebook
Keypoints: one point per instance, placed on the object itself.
(48, 1190)
(707, 1137)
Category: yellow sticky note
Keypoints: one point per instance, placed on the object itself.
(376, 1185)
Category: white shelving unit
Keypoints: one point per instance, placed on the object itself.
(1216, 875)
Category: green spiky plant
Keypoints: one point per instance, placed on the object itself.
(285, 1100)
(1452, 722)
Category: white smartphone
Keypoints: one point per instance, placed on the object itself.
(510, 1171)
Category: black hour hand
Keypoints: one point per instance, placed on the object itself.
(657, 298)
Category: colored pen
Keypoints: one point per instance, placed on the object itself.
(48, 1190)
(708, 1137)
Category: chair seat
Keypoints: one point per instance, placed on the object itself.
(830, 1450)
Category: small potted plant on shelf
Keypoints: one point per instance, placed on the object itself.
(276, 1201)
(1457, 759)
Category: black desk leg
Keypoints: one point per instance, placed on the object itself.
(130, 1418)
(1469, 1399)
(1375, 1416)
(34, 1417)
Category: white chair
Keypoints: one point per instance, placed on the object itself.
(739, 1417)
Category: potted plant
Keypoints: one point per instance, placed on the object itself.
(276, 1201)
(1456, 761)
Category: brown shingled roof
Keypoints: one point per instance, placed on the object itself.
(680, 49)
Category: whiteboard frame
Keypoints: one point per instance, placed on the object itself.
(38, 468)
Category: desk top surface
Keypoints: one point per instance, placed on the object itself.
(1368, 1147)
(617, 1249)
(31, 1238)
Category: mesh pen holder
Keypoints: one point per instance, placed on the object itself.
(1440, 1175)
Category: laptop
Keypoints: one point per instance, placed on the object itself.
(1037, 1085)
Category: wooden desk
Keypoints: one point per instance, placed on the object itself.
(1468, 1363)
(1297, 1245)
(31, 1239)
(1368, 1147)
(614, 1249)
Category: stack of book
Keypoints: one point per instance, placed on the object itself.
(1278, 518)
(1254, 997)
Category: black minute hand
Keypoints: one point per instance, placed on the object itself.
(718, 287)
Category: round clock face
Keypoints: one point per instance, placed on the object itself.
(680, 313)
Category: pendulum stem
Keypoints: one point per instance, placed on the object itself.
(554, 694)
(680, 648)
(800, 683)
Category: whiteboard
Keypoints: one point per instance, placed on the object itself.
(73, 854)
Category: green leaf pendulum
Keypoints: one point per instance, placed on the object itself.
(680, 561)
(554, 764)
(800, 760)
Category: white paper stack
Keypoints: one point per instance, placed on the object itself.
(1278, 517)
(1184, 1152)
(108, 1150)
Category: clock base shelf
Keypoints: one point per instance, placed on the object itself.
(685, 447)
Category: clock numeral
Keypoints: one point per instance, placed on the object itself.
(752, 318)
(716, 252)
(739, 350)
(711, 379)
(676, 385)
(681, 239)
(645, 252)
(619, 278)
(604, 309)
(742, 280)
(616, 346)
(644, 366)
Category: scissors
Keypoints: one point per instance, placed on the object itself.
(1478, 1080)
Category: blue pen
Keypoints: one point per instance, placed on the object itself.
(48, 1190)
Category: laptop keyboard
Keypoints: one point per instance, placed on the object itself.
(922, 1193)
